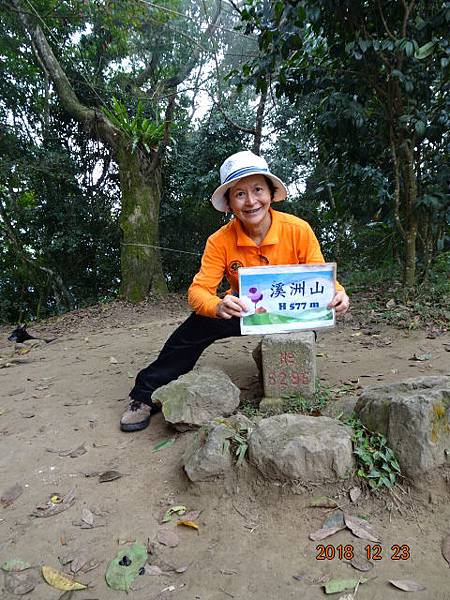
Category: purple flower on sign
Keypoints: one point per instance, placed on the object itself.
(255, 295)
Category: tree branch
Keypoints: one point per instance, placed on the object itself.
(388, 31)
(91, 118)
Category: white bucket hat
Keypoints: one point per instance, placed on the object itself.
(241, 165)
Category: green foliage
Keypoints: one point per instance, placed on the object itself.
(140, 129)
(374, 77)
(299, 404)
(376, 462)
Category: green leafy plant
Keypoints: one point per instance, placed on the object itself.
(238, 446)
(296, 403)
(235, 441)
(376, 461)
(140, 129)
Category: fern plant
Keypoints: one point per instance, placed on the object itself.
(140, 129)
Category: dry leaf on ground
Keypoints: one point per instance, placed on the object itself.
(52, 508)
(355, 493)
(446, 549)
(60, 580)
(321, 534)
(87, 516)
(19, 583)
(407, 585)
(335, 519)
(152, 570)
(169, 538)
(323, 502)
(361, 528)
(11, 494)
(14, 565)
(361, 564)
(109, 476)
(191, 524)
(73, 452)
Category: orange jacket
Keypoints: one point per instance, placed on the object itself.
(289, 241)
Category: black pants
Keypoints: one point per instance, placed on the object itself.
(181, 351)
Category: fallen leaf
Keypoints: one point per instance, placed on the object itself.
(179, 510)
(73, 452)
(87, 516)
(321, 534)
(66, 595)
(355, 493)
(163, 444)
(19, 583)
(340, 585)
(14, 565)
(446, 549)
(109, 476)
(11, 494)
(152, 570)
(90, 565)
(422, 357)
(182, 569)
(60, 580)
(390, 303)
(191, 524)
(79, 561)
(113, 360)
(192, 515)
(50, 509)
(407, 585)
(125, 567)
(361, 528)
(312, 579)
(361, 564)
(323, 502)
(169, 538)
(335, 519)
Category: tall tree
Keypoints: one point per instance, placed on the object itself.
(117, 71)
(377, 75)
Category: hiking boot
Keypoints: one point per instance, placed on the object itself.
(137, 416)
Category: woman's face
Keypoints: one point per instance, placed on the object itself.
(250, 200)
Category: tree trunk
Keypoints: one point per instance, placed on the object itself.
(141, 197)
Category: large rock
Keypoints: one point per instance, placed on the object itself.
(197, 397)
(208, 456)
(298, 447)
(413, 415)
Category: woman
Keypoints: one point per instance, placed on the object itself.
(257, 236)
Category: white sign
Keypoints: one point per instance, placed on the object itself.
(287, 298)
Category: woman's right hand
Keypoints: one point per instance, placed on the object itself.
(229, 307)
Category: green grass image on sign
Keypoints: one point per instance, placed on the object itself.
(319, 314)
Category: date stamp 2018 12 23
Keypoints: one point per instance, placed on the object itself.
(372, 552)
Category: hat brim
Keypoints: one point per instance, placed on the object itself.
(220, 203)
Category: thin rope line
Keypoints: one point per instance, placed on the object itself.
(163, 248)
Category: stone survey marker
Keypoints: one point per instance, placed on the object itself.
(289, 364)
(414, 417)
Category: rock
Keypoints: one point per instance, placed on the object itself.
(413, 415)
(297, 447)
(289, 364)
(196, 398)
(241, 423)
(343, 406)
(206, 457)
(272, 406)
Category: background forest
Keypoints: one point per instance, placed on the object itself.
(115, 117)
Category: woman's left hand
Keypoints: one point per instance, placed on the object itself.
(340, 303)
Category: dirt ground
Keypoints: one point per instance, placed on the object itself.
(253, 536)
